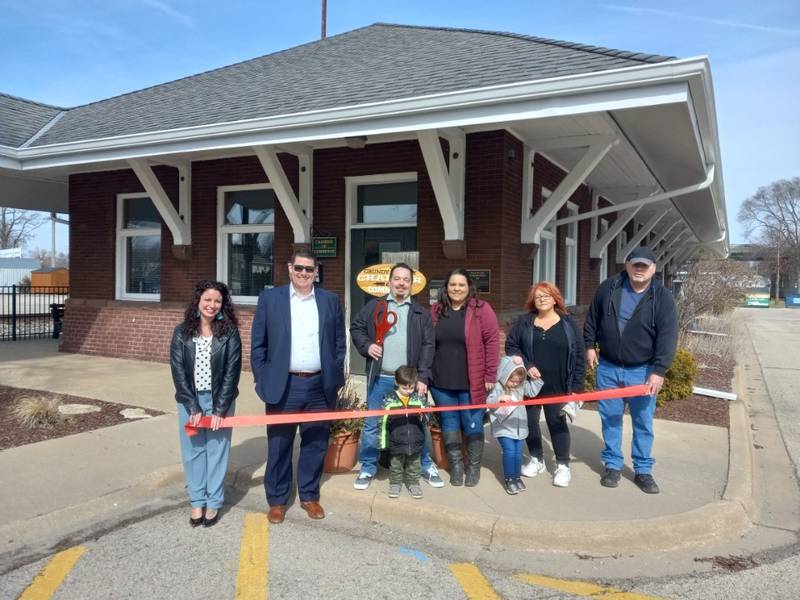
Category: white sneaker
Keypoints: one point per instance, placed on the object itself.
(533, 467)
(562, 476)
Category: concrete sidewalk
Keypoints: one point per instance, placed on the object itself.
(66, 484)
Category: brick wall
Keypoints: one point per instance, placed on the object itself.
(96, 323)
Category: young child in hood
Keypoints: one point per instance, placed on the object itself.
(403, 434)
(510, 423)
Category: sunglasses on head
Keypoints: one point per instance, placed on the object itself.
(301, 268)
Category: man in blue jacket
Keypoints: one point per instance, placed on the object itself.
(633, 319)
(297, 357)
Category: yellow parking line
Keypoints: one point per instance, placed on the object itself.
(251, 581)
(472, 581)
(580, 588)
(52, 575)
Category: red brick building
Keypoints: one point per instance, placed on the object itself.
(522, 158)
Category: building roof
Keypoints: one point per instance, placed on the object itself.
(21, 119)
(50, 269)
(20, 263)
(376, 63)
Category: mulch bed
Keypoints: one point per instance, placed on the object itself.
(13, 434)
(714, 373)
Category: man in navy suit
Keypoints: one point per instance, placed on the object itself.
(297, 357)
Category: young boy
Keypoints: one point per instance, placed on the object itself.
(404, 434)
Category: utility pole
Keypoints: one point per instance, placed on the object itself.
(324, 17)
(778, 276)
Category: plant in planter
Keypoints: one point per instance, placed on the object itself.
(343, 442)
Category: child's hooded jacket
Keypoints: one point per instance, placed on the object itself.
(511, 421)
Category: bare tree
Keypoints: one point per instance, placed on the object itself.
(771, 217)
(17, 226)
(711, 287)
(44, 257)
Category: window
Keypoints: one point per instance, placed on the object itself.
(571, 258)
(544, 265)
(604, 255)
(387, 203)
(246, 218)
(138, 248)
(622, 241)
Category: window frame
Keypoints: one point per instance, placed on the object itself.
(122, 236)
(603, 226)
(546, 237)
(223, 230)
(571, 257)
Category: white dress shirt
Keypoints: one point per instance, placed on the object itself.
(305, 333)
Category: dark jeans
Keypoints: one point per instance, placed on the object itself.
(405, 468)
(559, 432)
(302, 395)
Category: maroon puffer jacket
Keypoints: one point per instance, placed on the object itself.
(482, 335)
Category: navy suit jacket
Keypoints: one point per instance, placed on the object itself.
(272, 338)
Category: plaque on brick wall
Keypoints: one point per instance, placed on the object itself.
(482, 278)
(324, 247)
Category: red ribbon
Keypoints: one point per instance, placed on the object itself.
(335, 415)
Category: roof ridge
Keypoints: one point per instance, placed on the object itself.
(27, 101)
(627, 54)
(241, 62)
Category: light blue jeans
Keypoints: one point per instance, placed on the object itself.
(468, 421)
(642, 409)
(205, 457)
(368, 451)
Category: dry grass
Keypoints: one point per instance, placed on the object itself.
(723, 346)
(38, 412)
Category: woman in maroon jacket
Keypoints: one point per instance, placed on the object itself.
(464, 369)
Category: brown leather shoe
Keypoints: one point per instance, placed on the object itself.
(314, 509)
(276, 513)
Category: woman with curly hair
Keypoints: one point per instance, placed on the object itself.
(551, 346)
(206, 361)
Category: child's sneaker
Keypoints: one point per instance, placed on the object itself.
(394, 490)
(520, 484)
(533, 467)
(511, 486)
(414, 490)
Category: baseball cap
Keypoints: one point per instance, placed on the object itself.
(642, 254)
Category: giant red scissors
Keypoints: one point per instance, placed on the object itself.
(384, 320)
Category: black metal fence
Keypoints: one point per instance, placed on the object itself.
(28, 312)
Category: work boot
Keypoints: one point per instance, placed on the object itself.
(475, 455)
(452, 447)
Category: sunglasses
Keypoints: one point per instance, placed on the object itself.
(301, 268)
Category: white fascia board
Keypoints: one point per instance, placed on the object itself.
(646, 85)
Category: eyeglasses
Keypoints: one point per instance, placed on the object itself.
(301, 268)
(542, 298)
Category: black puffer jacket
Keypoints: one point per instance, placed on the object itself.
(226, 366)
(650, 335)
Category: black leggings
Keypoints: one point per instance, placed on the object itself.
(559, 432)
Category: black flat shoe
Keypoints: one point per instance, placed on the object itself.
(196, 522)
(212, 521)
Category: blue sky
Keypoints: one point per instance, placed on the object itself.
(70, 52)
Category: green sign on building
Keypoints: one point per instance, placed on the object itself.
(324, 247)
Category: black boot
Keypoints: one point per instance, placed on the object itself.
(475, 455)
(452, 447)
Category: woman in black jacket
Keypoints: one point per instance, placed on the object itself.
(206, 361)
(551, 346)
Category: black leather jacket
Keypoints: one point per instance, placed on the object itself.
(226, 366)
